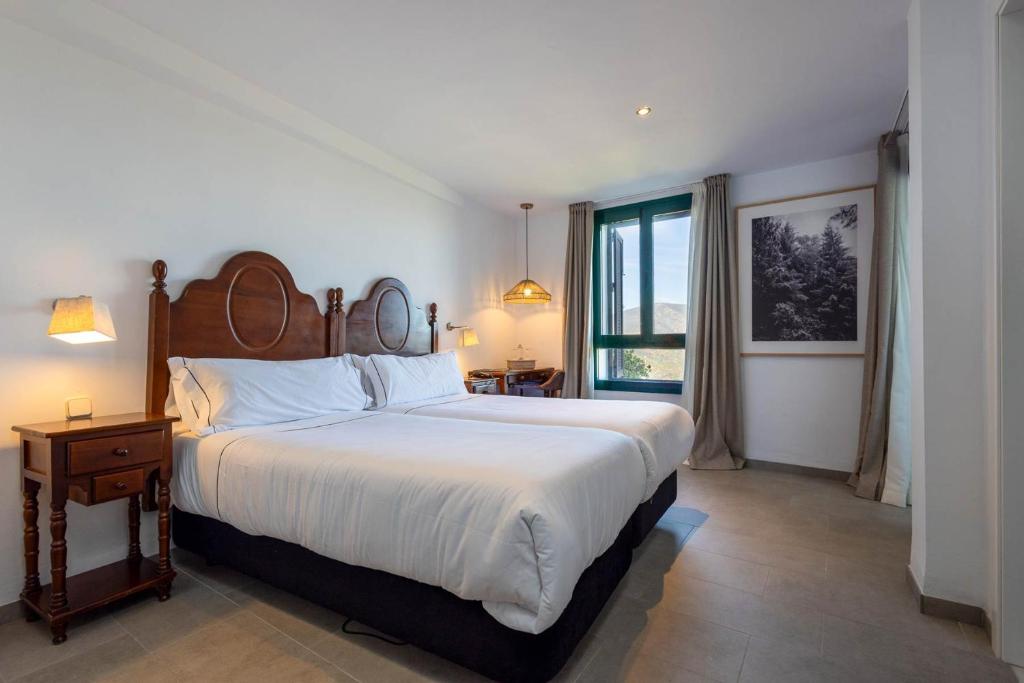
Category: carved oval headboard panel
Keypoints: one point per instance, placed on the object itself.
(251, 309)
(387, 322)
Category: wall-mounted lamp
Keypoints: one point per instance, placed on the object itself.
(81, 321)
(468, 334)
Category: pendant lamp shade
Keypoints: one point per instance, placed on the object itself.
(527, 291)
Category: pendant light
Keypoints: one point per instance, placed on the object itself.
(527, 291)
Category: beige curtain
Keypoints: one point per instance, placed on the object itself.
(576, 343)
(712, 381)
(885, 402)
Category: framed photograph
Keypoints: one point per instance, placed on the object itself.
(804, 265)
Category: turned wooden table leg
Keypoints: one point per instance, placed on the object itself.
(30, 511)
(58, 565)
(164, 530)
(134, 511)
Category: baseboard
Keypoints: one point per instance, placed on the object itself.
(948, 609)
(10, 611)
(835, 475)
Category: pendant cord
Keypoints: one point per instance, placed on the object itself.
(527, 243)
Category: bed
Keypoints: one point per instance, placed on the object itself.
(662, 431)
(565, 525)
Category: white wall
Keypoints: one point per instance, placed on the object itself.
(802, 411)
(1011, 66)
(105, 169)
(953, 274)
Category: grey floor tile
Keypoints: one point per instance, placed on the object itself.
(369, 659)
(908, 654)
(741, 611)
(728, 571)
(192, 606)
(293, 616)
(121, 660)
(685, 515)
(245, 648)
(26, 647)
(761, 551)
(776, 662)
(686, 642)
(218, 577)
(615, 667)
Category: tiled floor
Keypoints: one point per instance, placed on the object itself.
(754, 576)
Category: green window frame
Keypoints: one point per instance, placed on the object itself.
(644, 213)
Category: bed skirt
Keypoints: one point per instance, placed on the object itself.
(648, 514)
(427, 616)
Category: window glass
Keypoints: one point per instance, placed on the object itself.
(641, 364)
(670, 252)
(621, 283)
(641, 268)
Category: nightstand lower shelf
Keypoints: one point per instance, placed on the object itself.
(101, 586)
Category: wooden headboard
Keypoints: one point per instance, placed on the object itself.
(251, 309)
(387, 322)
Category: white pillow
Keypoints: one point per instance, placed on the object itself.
(217, 394)
(362, 364)
(399, 379)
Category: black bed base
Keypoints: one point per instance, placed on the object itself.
(649, 512)
(427, 616)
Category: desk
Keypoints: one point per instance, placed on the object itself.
(508, 378)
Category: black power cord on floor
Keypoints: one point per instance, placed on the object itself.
(389, 641)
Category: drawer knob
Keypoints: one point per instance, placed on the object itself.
(121, 452)
(120, 486)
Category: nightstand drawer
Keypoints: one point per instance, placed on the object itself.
(114, 452)
(111, 486)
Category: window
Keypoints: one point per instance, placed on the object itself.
(641, 266)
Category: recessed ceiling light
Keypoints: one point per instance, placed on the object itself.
(644, 111)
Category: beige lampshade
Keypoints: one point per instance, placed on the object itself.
(469, 337)
(81, 321)
(527, 292)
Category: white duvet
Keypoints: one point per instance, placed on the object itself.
(510, 515)
(663, 432)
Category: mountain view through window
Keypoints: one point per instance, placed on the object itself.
(670, 247)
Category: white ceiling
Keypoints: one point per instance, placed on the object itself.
(532, 100)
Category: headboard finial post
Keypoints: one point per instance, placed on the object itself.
(432, 320)
(159, 275)
(335, 322)
(157, 373)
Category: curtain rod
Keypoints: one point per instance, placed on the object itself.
(638, 195)
(899, 114)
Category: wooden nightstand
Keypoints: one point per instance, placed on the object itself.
(482, 385)
(93, 461)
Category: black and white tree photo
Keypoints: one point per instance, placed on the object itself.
(804, 276)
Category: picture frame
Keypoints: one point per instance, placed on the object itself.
(803, 273)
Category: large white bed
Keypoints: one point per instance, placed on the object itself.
(507, 514)
(493, 542)
(662, 432)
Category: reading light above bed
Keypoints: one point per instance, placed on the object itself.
(467, 334)
(81, 321)
(527, 291)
